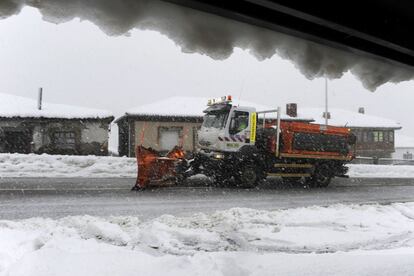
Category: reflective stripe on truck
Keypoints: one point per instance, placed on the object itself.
(253, 121)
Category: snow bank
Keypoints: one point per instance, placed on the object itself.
(381, 171)
(32, 165)
(196, 31)
(339, 240)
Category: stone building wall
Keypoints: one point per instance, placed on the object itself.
(55, 136)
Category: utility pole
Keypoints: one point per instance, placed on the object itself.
(39, 99)
(326, 102)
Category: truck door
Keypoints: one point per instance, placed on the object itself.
(242, 128)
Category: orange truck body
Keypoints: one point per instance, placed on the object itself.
(289, 129)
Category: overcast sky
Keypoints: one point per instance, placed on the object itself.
(78, 64)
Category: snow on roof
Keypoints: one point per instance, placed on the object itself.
(403, 141)
(340, 117)
(16, 106)
(194, 107)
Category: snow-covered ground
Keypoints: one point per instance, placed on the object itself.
(31, 165)
(381, 171)
(334, 240)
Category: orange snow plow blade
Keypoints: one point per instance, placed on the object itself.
(154, 169)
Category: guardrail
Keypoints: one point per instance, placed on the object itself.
(382, 161)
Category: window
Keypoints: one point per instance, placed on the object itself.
(169, 137)
(391, 136)
(215, 119)
(239, 122)
(408, 156)
(365, 136)
(64, 139)
(378, 136)
(375, 136)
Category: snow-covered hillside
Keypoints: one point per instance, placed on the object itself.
(334, 240)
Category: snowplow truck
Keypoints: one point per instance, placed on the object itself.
(240, 145)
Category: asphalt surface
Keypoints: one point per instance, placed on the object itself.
(47, 197)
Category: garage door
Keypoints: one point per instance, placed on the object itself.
(17, 141)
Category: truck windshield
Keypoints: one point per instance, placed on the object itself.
(215, 120)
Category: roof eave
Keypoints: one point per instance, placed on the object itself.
(58, 118)
(376, 127)
(146, 116)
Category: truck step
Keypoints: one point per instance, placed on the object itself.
(292, 165)
(290, 174)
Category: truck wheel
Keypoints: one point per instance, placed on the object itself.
(321, 177)
(249, 176)
(220, 180)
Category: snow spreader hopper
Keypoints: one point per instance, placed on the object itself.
(241, 146)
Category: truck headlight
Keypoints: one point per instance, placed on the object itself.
(218, 155)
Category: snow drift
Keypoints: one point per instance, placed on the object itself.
(32, 165)
(196, 31)
(338, 240)
(381, 171)
(44, 165)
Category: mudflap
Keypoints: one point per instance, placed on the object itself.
(155, 169)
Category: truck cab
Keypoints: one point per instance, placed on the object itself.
(227, 127)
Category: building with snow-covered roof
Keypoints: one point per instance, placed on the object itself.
(29, 126)
(375, 135)
(404, 147)
(171, 121)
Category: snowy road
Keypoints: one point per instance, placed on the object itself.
(55, 198)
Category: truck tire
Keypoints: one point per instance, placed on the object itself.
(249, 176)
(321, 177)
(220, 180)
